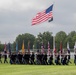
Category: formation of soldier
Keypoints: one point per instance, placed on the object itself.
(39, 58)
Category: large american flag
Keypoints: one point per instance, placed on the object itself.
(43, 16)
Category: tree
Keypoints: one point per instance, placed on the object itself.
(1, 47)
(60, 37)
(71, 38)
(27, 38)
(44, 37)
(74, 38)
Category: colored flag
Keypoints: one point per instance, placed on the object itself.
(42, 48)
(33, 46)
(23, 49)
(29, 47)
(9, 48)
(48, 48)
(75, 46)
(43, 16)
(5, 47)
(54, 46)
(17, 47)
(61, 47)
(68, 47)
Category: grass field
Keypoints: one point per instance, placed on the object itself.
(7, 69)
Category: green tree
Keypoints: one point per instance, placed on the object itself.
(71, 38)
(44, 37)
(60, 37)
(1, 47)
(27, 38)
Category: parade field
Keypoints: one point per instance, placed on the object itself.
(8, 69)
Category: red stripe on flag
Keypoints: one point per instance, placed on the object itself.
(41, 17)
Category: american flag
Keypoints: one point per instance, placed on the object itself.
(43, 16)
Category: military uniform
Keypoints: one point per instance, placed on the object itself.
(75, 58)
(5, 57)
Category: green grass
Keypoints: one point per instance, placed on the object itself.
(7, 69)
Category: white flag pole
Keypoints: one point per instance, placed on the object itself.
(53, 46)
(75, 47)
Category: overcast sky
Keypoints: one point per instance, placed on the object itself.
(16, 17)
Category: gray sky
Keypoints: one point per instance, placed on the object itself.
(16, 17)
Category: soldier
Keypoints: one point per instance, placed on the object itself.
(25, 58)
(62, 59)
(5, 57)
(19, 58)
(57, 60)
(75, 58)
(68, 56)
(28, 56)
(65, 61)
(13, 58)
(0, 57)
(44, 59)
(51, 60)
(38, 58)
(32, 58)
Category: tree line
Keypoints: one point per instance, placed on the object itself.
(45, 37)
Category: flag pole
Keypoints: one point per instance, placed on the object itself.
(75, 47)
(53, 46)
(16, 47)
(33, 47)
(75, 44)
(23, 50)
